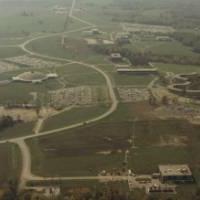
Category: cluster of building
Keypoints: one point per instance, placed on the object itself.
(186, 85)
(164, 181)
(92, 32)
(95, 42)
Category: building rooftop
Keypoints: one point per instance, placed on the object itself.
(116, 55)
(175, 170)
(137, 70)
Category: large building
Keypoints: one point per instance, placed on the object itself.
(175, 173)
(34, 77)
(137, 71)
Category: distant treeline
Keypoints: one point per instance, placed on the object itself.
(143, 58)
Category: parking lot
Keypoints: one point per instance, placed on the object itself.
(133, 94)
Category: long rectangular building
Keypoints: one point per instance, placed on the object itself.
(175, 173)
(138, 71)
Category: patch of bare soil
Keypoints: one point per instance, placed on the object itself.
(26, 115)
(144, 110)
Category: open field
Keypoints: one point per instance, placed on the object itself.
(162, 48)
(131, 112)
(75, 49)
(84, 151)
(17, 130)
(76, 75)
(10, 162)
(151, 144)
(75, 115)
(23, 19)
(177, 69)
(172, 48)
(6, 52)
(134, 80)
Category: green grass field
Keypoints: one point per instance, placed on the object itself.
(78, 152)
(10, 162)
(6, 52)
(17, 130)
(134, 80)
(177, 68)
(75, 115)
(76, 49)
(161, 48)
(28, 18)
(155, 140)
(76, 75)
(20, 92)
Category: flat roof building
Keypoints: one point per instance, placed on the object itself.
(116, 57)
(175, 173)
(138, 71)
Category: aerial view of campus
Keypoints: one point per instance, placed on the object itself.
(99, 99)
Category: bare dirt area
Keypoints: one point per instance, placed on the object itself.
(26, 115)
(143, 110)
(172, 140)
(179, 112)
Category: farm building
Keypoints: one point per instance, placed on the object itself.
(116, 57)
(175, 173)
(123, 38)
(94, 42)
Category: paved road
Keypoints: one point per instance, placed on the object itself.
(100, 178)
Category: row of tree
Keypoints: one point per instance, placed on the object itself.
(7, 121)
(143, 58)
(191, 39)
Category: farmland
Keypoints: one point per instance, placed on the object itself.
(149, 150)
(10, 159)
